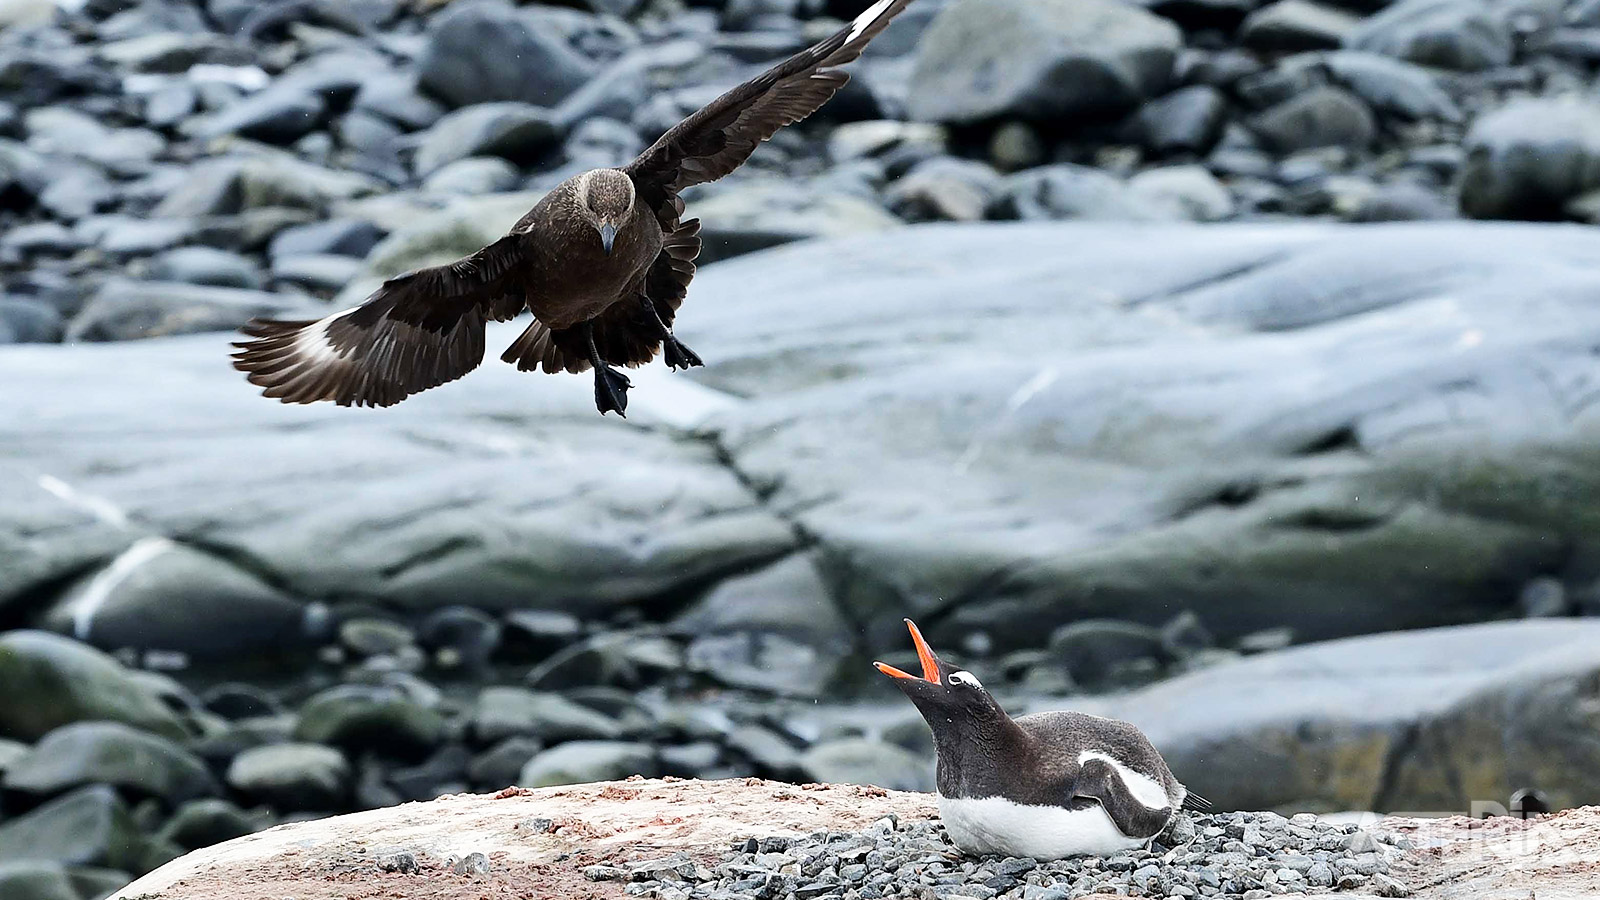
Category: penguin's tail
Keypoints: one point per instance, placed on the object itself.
(1195, 802)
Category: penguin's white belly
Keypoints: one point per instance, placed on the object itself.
(1001, 826)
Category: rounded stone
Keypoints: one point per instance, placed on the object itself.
(1039, 59)
(293, 776)
(111, 753)
(577, 762)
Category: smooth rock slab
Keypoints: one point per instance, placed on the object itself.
(1423, 723)
(1005, 428)
(504, 490)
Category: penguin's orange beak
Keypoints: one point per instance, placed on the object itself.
(930, 663)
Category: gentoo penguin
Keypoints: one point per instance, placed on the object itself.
(1047, 785)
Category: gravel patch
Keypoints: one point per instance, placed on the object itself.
(1248, 855)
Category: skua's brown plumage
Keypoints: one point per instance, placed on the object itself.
(603, 261)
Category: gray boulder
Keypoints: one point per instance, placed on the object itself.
(1403, 202)
(63, 130)
(756, 214)
(115, 754)
(235, 184)
(160, 595)
(944, 188)
(775, 630)
(862, 761)
(502, 764)
(486, 51)
(1388, 85)
(126, 237)
(472, 177)
(1291, 25)
(53, 681)
(1188, 120)
(1320, 117)
(1039, 59)
(201, 823)
(383, 719)
(323, 272)
(1530, 158)
(205, 265)
(578, 762)
(503, 712)
(772, 754)
(94, 883)
(293, 776)
(396, 98)
(517, 132)
(88, 827)
(28, 321)
(51, 238)
(36, 879)
(1094, 652)
(338, 237)
(77, 192)
(1426, 721)
(1066, 191)
(128, 310)
(281, 114)
(1468, 35)
(10, 752)
(878, 137)
(1189, 192)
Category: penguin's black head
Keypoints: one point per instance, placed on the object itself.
(943, 689)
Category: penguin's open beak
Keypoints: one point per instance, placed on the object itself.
(930, 662)
(608, 236)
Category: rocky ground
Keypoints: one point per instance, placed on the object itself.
(178, 165)
(755, 839)
(1126, 464)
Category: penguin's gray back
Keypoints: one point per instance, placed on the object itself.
(1070, 735)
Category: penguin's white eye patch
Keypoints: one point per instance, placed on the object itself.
(965, 678)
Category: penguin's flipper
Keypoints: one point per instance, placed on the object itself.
(1100, 781)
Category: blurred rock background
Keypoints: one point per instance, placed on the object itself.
(1110, 453)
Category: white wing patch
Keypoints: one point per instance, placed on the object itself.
(311, 344)
(867, 18)
(1144, 789)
